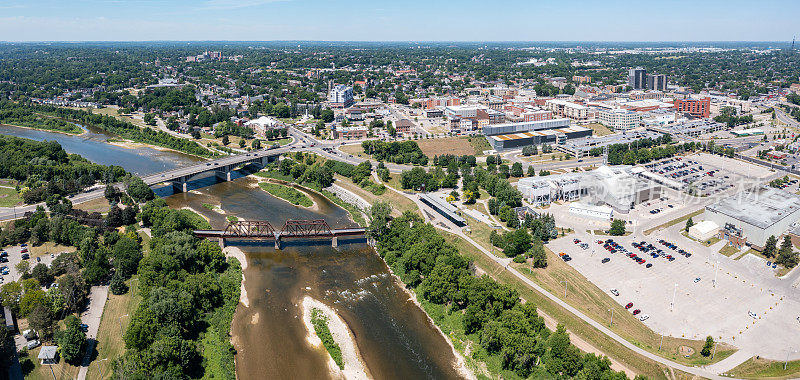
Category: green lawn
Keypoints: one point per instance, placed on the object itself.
(763, 368)
(728, 250)
(287, 193)
(115, 320)
(674, 221)
(9, 197)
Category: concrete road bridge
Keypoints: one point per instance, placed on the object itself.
(292, 229)
(221, 167)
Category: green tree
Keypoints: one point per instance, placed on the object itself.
(72, 341)
(516, 170)
(689, 224)
(43, 321)
(380, 216)
(707, 347)
(770, 246)
(617, 227)
(225, 140)
(538, 255)
(786, 255)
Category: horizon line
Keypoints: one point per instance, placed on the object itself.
(406, 41)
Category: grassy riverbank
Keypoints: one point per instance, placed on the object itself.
(320, 322)
(287, 193)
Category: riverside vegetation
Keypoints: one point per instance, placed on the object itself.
(320, 322)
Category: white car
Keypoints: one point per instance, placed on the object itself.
(644, 317)
(614, 292)
(752, 314)
(33, 344)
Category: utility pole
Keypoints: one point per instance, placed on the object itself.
(674, 292)
(612, 317)
(716, 269)
(565, 288)
(660, 343)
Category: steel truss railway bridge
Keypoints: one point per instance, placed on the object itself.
(292, 229)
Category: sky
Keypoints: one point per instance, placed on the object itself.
(409, 20)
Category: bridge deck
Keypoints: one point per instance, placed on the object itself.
(278, 234)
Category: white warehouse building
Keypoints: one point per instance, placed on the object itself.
(758, 213)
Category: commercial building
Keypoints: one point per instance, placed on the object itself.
(693, 128)
(588, 210)
(461, 111)
(758, 214)
(568, 109)
(340, 96)
(695, 107)
(581, 147)
(637, 78)
(506, 128)
(704, 230)
(404, 127)
(546, 136)
(350, 133)
(616, 187)
(537, 115)
(656, 82)
(620, 119)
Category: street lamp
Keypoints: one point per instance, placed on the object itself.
(100, 367)
(120, 322)
(785, 363)
(674, 292)
(716, 268)
(612, 317)
(565, 288)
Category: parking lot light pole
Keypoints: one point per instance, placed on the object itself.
(565, 288)
(716, 268)
(674, 292)
(612, 317)
(785, 363)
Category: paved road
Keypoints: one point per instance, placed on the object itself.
(92, 317)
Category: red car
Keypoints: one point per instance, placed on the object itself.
(637, 311)
(629, 305)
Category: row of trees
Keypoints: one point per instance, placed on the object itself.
(11, 113)
(490, 313)
(785, 255)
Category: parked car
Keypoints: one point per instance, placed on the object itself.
(696, 280)
(84, 327)
(636, 312)
(605, 260)
(629, 305)
(752, 314)
(616, 293)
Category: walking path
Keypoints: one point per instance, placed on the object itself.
(92, 316)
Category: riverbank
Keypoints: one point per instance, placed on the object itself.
(354, 368)
(83, 130)
(288, 192)
(237, 253)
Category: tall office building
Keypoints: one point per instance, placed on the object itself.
(636, 78)
(656, 82)
(340, 96)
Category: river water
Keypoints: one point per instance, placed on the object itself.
(393, 335)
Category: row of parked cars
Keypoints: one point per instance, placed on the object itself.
(613, 247)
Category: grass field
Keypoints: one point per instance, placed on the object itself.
(763, 368)
(115, 320)
(399, 202)
(9, 197)
(728, 250)
(479, 144)
(287, 193)
(598, 129)
(674, 221)
(354, 149)
(458, 146)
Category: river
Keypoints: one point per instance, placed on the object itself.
(393, 335)
(93, 145)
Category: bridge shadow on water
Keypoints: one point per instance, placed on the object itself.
(297, 243)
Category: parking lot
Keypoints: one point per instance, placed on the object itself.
(8, 270)
(736, 308)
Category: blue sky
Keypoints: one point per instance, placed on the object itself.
(414, 20)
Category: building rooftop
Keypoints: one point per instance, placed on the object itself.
(48, 353)
(761, 208)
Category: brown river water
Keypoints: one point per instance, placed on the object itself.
(393, 335)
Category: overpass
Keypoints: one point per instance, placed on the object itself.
(263, 230)
(221, 167)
